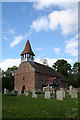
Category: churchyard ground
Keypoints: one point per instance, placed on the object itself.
(28, 107)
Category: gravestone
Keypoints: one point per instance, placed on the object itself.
(47, 95)
(74, 93)
(7, 91)
(63, 93)
(70, 88)
(12, 91)
(4, 90)
(26, 93)
(19, 93)
(34, 95)
(59, 95)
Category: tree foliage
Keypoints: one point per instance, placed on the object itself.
(8, 78)
(62, 66)
(70, 73)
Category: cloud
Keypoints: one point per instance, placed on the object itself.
(5, 38)
(40, 24)
(41, 4)
(38, 49)
(52, 61)
(9, 63)
(16, 62)
(57, 50)
(11, 31)
(72, 46)
(66, 20)
(17, 40)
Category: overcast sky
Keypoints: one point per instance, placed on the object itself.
(52, 29)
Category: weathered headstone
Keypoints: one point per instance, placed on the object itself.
(74, 93)
(19, 93)
(59, 95)
(7, 91)
(4, 90)
(26, 93)
(47, 95)
(63, 93)
(70, 88)
(34, 95)
(12, 91)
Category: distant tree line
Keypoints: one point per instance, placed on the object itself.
(70, 73)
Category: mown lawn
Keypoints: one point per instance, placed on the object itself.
(28, 107)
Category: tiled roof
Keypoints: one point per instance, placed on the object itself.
(47, 70)
(28, 49)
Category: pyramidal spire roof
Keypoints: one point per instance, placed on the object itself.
(28, 49)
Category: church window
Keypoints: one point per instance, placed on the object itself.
(23, 78)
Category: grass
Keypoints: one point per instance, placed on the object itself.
(28, 107)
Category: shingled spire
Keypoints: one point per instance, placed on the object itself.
(27, 54)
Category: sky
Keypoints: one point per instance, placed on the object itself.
(51, 27)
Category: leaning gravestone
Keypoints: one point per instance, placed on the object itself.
(4, 90)
(59, 95)
(74, 93)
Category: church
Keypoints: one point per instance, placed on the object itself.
(32, 75)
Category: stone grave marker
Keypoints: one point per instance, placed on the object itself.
(34, 95)
(7, 91)
(26, 93)
(12, 91)
(59, 95)
(4, 90)
(19, 93)
(74, 93)
(70, 88)
(47, 93)
(63, 93)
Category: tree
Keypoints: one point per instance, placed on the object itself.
(62, 66)
(76, 67)
(8, 78)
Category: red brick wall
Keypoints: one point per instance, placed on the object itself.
(28, 82)
(26, 71)
(40, 78)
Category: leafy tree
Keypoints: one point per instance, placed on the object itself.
(8, 78)
(76, 67)
(62, 66)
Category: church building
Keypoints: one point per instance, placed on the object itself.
(32, 75)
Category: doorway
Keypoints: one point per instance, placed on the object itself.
(23, 88)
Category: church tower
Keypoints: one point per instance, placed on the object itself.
(27, 54)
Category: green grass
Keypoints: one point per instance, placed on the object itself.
(28, 107)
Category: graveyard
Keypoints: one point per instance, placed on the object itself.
(39, 106)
